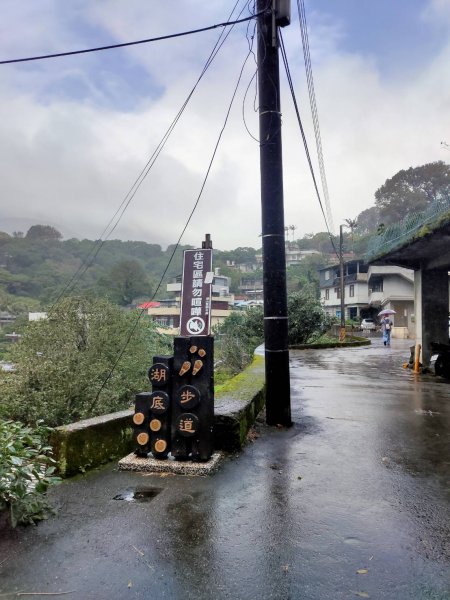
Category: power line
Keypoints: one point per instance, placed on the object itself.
(111, 226)
(313, 104)
(125, 44)
(302, 131)
(202, 187)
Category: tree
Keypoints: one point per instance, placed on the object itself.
(305, 274)
(307, 319)
(351, 224)
(368, 220)
(68, 367)
(316, 241)
(412, 190)
(127, 280)
(43, 233)
(242, 255)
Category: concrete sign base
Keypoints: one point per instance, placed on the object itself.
(177, 467)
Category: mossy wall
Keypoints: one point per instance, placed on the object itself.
(237, 405)
(90, 443)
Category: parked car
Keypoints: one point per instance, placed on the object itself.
(368, 324)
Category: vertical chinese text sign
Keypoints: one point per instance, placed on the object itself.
(195, 316)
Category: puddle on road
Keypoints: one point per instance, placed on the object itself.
(139, 494)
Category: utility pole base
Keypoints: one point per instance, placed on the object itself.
(278, 387)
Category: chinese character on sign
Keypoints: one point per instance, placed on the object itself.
(158, 403)
(187, 396)
(158, 374)
(187, 425)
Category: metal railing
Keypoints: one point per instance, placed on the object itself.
(397, 234)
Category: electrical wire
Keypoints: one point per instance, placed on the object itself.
(111, 226)
(313, 104)
(253, 78)
(126, 44)
(302, 131)
(243, 106)
(202, 187)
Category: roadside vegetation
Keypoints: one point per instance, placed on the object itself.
(63, 364)
(241, 333)
(65, 370)
(26, 471)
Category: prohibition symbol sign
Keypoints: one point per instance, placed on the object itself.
(195, 325)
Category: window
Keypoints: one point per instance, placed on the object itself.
(352, 291)
(337, 292)
(327, 275)
(164, 321)
(377, 285)
(327, 294)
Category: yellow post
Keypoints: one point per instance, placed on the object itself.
(416, 368)
(342, 334)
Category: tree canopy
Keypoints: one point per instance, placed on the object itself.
(63, 362)
(127, 280)
(43, 232)
(412, 190)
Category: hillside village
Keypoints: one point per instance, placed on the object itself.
(34, 268)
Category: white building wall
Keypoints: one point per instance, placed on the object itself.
(398, 287)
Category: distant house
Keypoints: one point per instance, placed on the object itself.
(147, 305)
(37, 316)
(368, 290)
(167, 313)
(355, 293)
(251, 288)
(392, 287)
(6, 318)
(12, 337)
(292, 256)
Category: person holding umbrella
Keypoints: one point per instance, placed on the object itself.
(386, 325)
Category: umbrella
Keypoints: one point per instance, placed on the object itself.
(387, 311)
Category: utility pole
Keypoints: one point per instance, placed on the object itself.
(278, 391)
(342, 283)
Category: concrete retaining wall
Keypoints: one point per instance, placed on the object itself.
(86, 444)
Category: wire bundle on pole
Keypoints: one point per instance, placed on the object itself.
(305, 143)
(312, 100)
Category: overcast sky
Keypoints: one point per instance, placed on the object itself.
(76, 132)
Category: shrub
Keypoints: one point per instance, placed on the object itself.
(307, 319)
(26, 471)
(237, 337)
(242, 332)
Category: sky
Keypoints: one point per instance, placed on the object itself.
(76, 132)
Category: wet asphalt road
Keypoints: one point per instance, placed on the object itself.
(353, 501)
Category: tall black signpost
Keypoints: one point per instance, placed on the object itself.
(278, 397)
(193, 378)
(178, 415)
